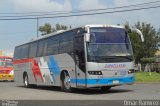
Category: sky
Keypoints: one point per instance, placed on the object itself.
(14, 32)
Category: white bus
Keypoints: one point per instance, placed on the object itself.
(84, 57)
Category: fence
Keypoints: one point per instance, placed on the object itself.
(155, 67)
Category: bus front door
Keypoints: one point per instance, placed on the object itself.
(80, 67)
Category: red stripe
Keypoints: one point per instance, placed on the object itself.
(35, 68)
(22, 61)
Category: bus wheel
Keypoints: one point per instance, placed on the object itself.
(105, 88)
(66, 82)
(25, 80)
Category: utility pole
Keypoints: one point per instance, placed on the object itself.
(37, 27)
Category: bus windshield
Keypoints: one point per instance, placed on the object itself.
(109, 45)
(6, 64)
(2, 64)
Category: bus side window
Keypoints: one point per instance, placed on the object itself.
(16, 53)
(53, 45)
(23, 51)
(66, 42)
(42, 48)
(33, 50)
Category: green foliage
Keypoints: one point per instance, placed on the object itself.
(148, 47)
(148, 60)
(61, 27)
(47, 28)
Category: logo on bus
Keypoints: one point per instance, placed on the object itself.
(115, 65)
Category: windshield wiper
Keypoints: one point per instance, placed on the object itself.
(115, 57)
(104, 58)
(126, 57)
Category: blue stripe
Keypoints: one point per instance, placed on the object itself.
(53, 66)
(121, 80)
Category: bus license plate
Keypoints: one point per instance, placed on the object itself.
(123, 73)
(115, 82)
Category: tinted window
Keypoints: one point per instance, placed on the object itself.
(42, 48)
(53, 44)
(24, 51)
(109, 35)
(66, 42)
(33, 49)
(21, 52)
(16, 53)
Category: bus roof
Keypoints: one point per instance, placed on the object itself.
(62, 31)
(105, 25)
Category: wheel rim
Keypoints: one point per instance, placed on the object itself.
(67, 81)
(26, 81)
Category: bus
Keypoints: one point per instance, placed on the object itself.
(85, 57)
(6, 68)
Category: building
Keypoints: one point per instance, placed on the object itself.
(3, 53)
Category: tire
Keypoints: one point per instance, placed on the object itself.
(105, 88)
(66, 82)
(26, 81)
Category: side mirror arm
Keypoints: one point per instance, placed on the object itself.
(87, 37)
(139, 33)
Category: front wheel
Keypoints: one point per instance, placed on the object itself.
(66, 83)
(105, 88)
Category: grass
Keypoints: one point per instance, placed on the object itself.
(145, 77)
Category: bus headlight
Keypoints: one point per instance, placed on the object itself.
(95, 72)
(131, 71)
(12, 72)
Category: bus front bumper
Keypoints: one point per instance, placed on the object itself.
(6, 77)
(104, 81)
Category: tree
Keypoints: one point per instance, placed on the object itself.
(61, 27)
(46, 29)
(148, 47)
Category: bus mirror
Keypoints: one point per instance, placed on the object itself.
(84, 31)
(87, 37)
(139, 33)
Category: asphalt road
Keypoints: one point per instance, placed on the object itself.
(11, 91)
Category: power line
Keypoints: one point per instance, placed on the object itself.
(47, 14)
(78, 11)
(13, 33)
(96, 13)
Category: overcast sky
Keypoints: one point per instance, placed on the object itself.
(15, 32)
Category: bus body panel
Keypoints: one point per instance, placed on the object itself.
(46, 69)
(50, 68)
(112, 74)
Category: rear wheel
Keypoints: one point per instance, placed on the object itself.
(25, 80)
(105, 88)
(66, 82)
